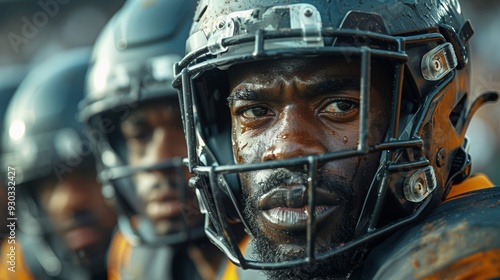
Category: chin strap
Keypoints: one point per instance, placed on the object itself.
(460, 168)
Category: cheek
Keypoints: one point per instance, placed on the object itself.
(144, 182)
(378, 128)
(134, 156)
(366, 168)
(355, 173)
(247, 190)
(178, 143)
(44, 197)
(247, 148)
(380, 113)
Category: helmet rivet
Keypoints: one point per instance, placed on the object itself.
(436, 63)
(220, 24)
(419, 187)
(308, 13)
(440, 157)
(121, 44)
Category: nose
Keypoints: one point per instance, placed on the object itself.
(167, 144)
(296, 135)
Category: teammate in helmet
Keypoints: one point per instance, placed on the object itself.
(327, 126)
(132, 105)
(13, 75)
(63, 222)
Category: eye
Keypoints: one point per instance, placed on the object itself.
(341, 106)
(254, 112)
(138, 136)
(142, 136)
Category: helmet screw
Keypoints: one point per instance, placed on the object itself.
(437, 65)
(440, 157)
(121, 44)
(220, 24)
(308, 13)
(419, 187)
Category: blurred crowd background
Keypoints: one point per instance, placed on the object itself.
(484, 131)
(31, 32)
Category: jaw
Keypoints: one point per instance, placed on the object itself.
(280, 246)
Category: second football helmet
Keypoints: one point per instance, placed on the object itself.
(132, 65)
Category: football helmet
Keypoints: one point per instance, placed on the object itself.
(424, 151)
(43, 139)
(132, 65)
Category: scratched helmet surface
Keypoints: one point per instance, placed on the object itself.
(424, 150)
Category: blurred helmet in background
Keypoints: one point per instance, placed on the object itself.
(65, 228)
(132, 68)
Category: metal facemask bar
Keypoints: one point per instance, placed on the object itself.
(117, 182)
(200, 60)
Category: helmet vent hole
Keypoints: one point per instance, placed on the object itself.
(457, 114)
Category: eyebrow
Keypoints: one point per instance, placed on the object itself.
(337, 85)
(135, 119)
(319, 88)
(244, 94)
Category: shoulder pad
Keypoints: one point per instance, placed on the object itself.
(454, 230)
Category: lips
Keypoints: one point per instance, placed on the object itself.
(286, 207)
(161, 210)
(82, 237)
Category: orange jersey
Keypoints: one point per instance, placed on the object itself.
(129, 262)
(230, 271)
(12, 265)
(119, 256)
(473, 183)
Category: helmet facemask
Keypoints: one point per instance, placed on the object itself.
(409, 181)
(120, 177)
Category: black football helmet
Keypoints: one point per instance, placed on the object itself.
(43, 139)
(132, 65)
(424, 153)
(13, 76)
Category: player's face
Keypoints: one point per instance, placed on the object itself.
(79, 212)
(154, 133)
(297, 107)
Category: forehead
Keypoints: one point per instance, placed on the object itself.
(309, 69)
(295, 67)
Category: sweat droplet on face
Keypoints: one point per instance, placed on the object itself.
(345, 139)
